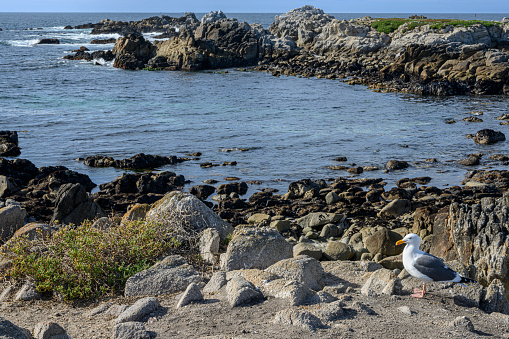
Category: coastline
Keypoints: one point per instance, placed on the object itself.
(316, 259)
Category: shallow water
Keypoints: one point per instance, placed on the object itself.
(293, 127)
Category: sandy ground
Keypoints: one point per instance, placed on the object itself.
(364, 316)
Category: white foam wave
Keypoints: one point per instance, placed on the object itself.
(23, 43)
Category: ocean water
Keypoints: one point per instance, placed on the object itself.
(292, 127)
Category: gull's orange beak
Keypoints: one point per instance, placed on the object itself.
(399, 242)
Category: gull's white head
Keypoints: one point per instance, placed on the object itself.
(411, 239)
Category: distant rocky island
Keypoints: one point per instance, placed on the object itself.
(415, 55)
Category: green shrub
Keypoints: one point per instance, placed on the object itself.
(461, 23)
(387, 25)
(84, 262)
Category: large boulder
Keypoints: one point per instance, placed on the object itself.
(384, 242)
(477, 235)
(240, 291)
(10, 331)
(12, 218)
(303, 269)
(172, 274)
(73, 206)
(300, 24)
(253, 247)
(337, 250)
(184, 211)
(132, 51)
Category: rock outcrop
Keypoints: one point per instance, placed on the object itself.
(476, 235)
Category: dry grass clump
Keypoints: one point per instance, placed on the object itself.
(85, 262)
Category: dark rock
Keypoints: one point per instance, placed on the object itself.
(299, 188)
(73, 206)
(234, 187)
(103, 41)
(48, 41)
(10, 137)
(488, 136)
(9, 330)
(470, 161)
(20, 169)
(9, 144)
(393, 165)
(140, 161)
(202, 192)
(132, 51)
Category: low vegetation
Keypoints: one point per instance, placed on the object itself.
(85, 262)
(390, 25)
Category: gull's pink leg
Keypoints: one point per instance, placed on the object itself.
(419, 293)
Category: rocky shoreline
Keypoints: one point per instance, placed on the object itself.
(316, 260)
(325, 244)
(418, 56)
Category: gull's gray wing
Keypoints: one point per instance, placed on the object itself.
(434, 268)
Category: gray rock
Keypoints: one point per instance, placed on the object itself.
(462, 323)
(299, 318)
(330, 312)
(215, 283)
(255, 247)
(184, 211)
(27, 293)
(171, 275)
(331, 198)
(474, 234)
(331, 230)
(138, 310)
(384, 242)
(8, 290)
(281, 225)
(396, 208)
(336, 250)
(293, 292)
(495, 299)
(12, 218)
(130, 330)
(73, 206)
(258, 218)
(98, 310)
(240, 291)
(115, 310)
(191, 294)
(303, 269)
(320, 218)
(383, 281)
(209, 245)
(309, 249)
(10, 331)
(49, 330)
(8, 186)
(321, 297)
(405, 310)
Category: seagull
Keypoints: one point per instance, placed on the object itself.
(425, 266)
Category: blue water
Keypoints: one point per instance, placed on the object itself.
(293, 127)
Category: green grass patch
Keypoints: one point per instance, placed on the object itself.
(84, 262)
(390, 25)
(387, 25)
